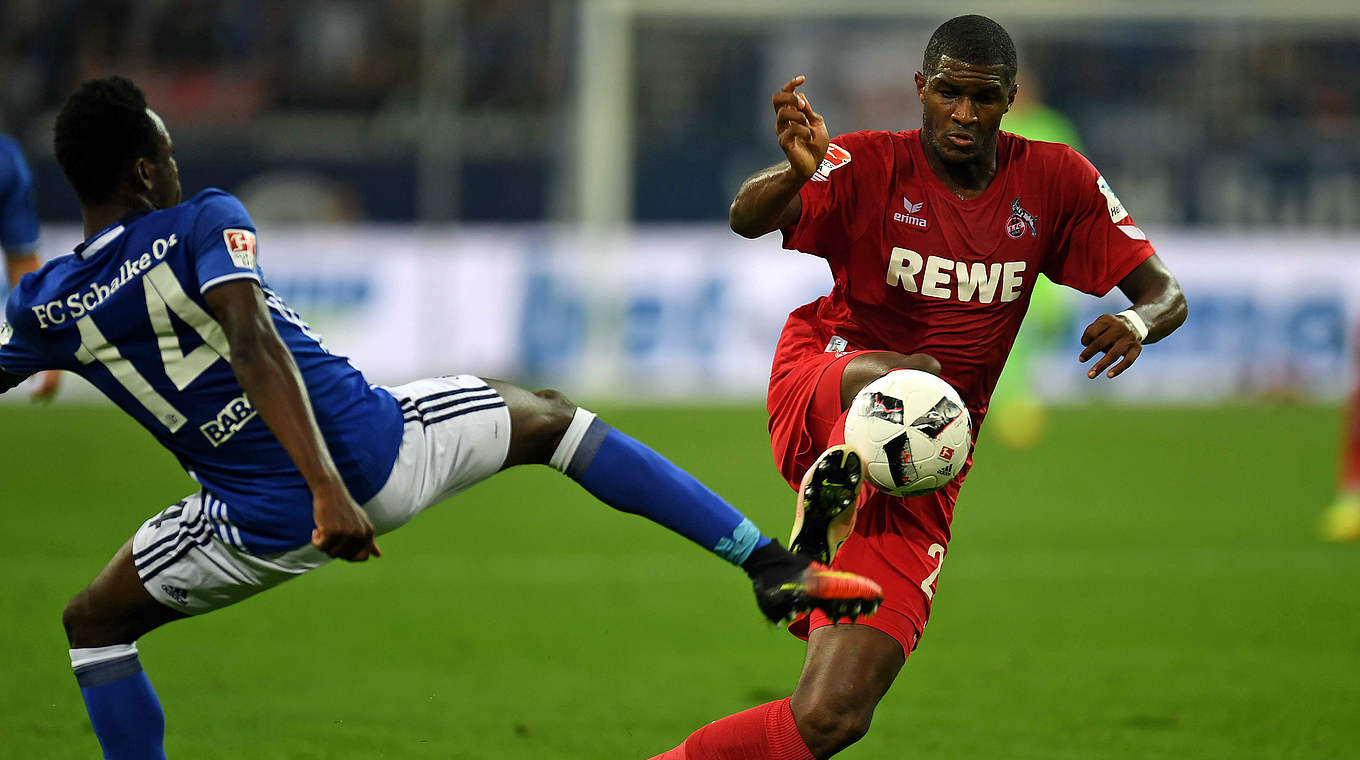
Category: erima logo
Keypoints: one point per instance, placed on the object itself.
(231, 419)
(912, 208)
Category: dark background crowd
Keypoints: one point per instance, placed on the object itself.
(399, 110)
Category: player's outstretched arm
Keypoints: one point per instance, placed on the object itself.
(768, 200)
(269, 376)
(1158, 309)
(17, 266)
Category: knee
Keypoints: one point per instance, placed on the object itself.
(879, 363)
(829, 725)
(551, 415)
(866, 368)
(554, 413)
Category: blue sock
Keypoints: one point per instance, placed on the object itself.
(123, 707)
(632, 478)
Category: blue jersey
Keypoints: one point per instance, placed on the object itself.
(126, 311)
(18, 219)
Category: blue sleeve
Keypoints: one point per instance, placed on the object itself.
(223, 242)
(18, 217)
(21, 351)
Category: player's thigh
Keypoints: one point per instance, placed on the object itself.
(191, 560)
(804, 405)
(116, 607)
(456, 432)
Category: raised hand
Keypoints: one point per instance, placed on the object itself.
(1116, 338)
(801, 131)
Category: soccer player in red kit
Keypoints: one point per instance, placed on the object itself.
(1341, 521)
(934, 238)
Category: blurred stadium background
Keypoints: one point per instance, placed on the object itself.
(537, 189)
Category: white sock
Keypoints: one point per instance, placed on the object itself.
(571, 440)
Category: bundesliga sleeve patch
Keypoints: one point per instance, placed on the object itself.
(241, 246)
(835, 158)
(1116, 208)
(6, 333)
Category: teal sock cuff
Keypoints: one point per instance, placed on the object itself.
(745, 539)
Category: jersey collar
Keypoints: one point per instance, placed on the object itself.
(107, 235)
(102, 238)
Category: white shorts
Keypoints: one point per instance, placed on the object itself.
(457, 433)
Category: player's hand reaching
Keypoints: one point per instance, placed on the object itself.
(802, 133)
(1116, 339)
(342, 529)
(48, 384)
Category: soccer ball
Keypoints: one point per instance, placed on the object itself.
(912, 431)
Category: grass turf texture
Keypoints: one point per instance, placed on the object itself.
(1143, 583)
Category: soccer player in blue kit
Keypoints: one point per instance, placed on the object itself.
(165, 310)
(19, 234)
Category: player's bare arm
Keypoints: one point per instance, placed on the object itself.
(1157, 301)
(768, 200)
(269, 376)
(16, 267)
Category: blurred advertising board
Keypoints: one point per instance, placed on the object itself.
(676, 312)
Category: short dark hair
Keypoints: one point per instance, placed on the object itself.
(972, 39)
(102, 128)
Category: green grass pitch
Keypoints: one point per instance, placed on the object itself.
(1145, 583)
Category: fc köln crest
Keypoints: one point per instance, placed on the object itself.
(1021, 220)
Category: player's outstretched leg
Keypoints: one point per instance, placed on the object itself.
(825, 511)
(546, 428)
(103, 623)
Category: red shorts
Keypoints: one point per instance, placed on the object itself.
(899, 542)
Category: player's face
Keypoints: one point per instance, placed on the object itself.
(962, 107)
(161, 171)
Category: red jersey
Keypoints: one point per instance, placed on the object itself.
(917, 269)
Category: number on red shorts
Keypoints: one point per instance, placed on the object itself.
(936, 551)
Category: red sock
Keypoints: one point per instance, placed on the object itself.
(766, 732)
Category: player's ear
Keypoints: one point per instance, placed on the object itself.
(143, 169)
(1010, 100)
(921, 86)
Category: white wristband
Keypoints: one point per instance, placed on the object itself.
(1136, 322)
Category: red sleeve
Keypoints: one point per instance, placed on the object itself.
(835, 213)
(1098, 244)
